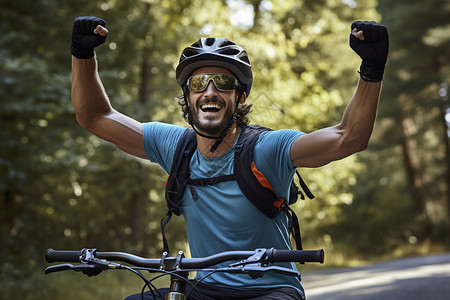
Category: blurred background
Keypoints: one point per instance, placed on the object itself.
(62, 187)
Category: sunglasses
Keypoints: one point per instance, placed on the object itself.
(222, 82)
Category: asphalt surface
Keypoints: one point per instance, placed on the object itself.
(418, 278)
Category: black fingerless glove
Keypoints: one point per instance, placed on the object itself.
(84, 40)
(373, 50)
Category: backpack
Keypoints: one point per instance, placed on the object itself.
(251, 181)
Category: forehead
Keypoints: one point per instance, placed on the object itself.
(211, 70)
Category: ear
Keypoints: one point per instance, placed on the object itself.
(188, 99)
(186, 95)
(243, 98)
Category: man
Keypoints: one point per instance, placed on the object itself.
(216, 78)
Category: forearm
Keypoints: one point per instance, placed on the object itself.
(359, 117)
(89, 98)
(94, 112)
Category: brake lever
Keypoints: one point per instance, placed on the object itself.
(256, 265)
(90, 265)
(88, 269)
(257, 257)
(256, 271)
(58, 268)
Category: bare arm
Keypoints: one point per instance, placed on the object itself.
(350, 136)
(353, 133)
(94, 112)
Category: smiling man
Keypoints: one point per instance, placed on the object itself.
(215, 76)
(213, 100)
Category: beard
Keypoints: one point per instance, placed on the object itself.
(209, 125)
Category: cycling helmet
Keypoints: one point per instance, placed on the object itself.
(219, 52)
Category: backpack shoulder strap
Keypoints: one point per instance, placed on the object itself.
(178, 176)
(251, 181)
(257, 188)
(179, 173)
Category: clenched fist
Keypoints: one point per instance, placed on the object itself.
(88, 33)
(370, 41)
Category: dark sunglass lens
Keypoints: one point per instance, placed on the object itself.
(224, 82)
(198, 82)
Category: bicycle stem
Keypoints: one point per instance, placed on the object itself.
(177, 286)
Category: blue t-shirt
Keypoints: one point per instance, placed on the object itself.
(222, 218)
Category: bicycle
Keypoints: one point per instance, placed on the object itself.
(254, 263)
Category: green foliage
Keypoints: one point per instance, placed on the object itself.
(62, 187)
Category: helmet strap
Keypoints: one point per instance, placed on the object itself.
(230, 123)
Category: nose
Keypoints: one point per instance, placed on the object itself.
(211, 88)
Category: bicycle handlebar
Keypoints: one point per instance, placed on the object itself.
(62, 256)
(301, 256)
(271, 255)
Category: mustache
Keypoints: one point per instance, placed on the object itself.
(214, 99)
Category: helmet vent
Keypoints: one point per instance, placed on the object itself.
(210, 41)
(230, 51)
(225, 43)
(189, 53)
(244, 57)
(197, 44)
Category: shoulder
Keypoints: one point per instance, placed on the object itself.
(160, 128)
(274, 147)
(162, 133)
(160, 142)
(278, 138)
(272, 157)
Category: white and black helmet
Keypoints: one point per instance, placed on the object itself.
(219, 52)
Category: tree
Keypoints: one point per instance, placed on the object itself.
(409, 150)
(423, 49)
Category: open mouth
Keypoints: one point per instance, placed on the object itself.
(211, 107)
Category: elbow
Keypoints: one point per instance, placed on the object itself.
(355, 138)
(356, 145)
(85, 122)
(88, 119)
(364, 145)
(361, 147)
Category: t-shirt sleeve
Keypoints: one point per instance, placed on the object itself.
(272, 155)
(160, 142)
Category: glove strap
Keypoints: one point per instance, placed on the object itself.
(371, 73)
(81, 53)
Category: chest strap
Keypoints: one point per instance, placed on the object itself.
(210, 181)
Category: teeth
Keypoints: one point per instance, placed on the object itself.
(211, 106)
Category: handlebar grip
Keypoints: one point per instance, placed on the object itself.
(297, 256)
(62, 256)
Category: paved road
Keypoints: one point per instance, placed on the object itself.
(420, 278)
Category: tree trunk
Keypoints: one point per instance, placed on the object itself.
(414, 178)
(139, 199)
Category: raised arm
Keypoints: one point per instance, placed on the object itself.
(370, 42)
(92, 107)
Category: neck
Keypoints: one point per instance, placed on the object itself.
(204, 144)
